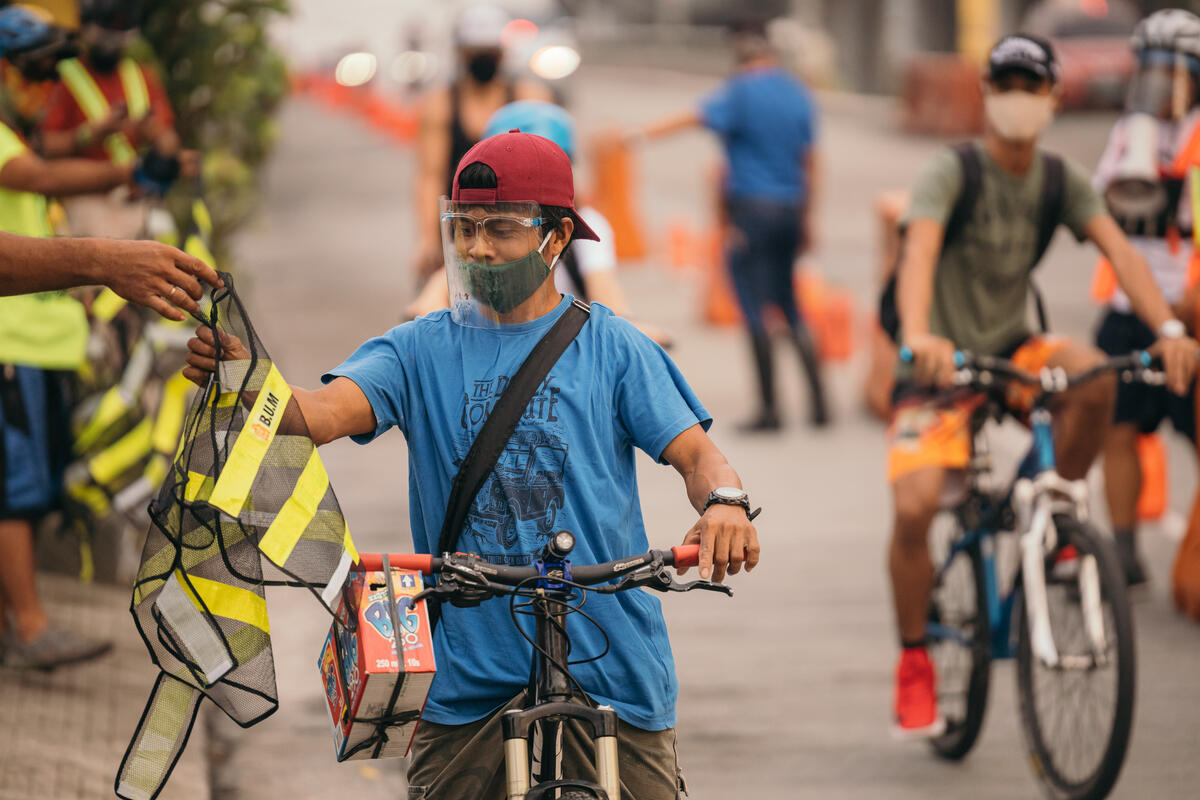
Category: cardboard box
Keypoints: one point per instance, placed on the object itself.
(362, 683)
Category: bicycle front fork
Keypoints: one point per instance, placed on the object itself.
(518, 724)
(1036, 501)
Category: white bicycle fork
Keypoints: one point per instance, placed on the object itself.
(1036, 501)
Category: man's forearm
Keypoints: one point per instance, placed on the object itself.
(711, 471)
(1137, 282)
(914, 293)
(671, 125)
(29, 265)
(82, 176)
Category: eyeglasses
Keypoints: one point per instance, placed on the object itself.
(465, 227)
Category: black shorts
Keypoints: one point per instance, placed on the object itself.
(1137, 403)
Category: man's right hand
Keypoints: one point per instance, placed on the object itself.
(932, 359)
(202, 354)
(152, 274)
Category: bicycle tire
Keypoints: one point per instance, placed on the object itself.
(964, 576)
(1049, 765)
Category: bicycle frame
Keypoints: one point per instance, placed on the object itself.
(551, 705)
(1037, 495)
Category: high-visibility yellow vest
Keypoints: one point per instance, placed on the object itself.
(48, 329)
(95, 106)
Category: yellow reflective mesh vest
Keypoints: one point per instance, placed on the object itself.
(95, 106)
(246, 483)
(48, 329)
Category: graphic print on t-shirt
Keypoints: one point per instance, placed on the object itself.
(521, 502)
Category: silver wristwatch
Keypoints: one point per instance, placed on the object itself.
(729, 496)
(1172, 329)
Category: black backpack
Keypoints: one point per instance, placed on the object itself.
(1053, 197)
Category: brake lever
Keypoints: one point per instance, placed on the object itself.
(656, 577)
(459, 585)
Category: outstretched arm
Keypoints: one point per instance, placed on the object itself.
(727, 538)
(62, 177)
(148, 273)
(332, 412)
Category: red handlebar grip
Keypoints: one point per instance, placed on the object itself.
(421, 562)
(686, 555)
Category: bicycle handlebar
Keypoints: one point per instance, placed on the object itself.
(972, 370)
(587, 574)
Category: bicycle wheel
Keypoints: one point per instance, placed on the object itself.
(959, 637)
(1077, 718)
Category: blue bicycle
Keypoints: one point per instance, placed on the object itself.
(1063, 614)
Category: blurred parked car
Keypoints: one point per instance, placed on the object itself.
(1091, 38)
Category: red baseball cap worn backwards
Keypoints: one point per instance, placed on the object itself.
(529, 169)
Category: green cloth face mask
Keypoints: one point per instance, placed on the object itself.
(503, 287)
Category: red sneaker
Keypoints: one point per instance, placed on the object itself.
(917, 714)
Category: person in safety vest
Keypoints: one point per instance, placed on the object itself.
(509, 219)
(970, 292)
(108, 107)
(588, 270)
(1152, 196)
(42, 340)
(452, 118)
(767, 123)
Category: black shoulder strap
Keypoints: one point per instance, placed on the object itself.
(1054, 191)
(500, 424)
(1053, 202)
(972, 180)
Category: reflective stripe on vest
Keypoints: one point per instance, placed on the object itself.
(94, 104)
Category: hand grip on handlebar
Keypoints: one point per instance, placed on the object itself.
(906, 355)
(686, 555)
(420, 562)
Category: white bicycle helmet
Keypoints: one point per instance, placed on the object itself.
(1171, 29)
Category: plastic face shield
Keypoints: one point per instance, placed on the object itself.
(493, 257)
(1162, 85)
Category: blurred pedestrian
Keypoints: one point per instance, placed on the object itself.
(42, 341)
(1162, 122)
(767, 121)
(453, 117)
(108, 107)
(588, 269)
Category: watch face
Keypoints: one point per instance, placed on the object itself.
(729, 493)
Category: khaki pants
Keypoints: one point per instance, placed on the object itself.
(452, 762)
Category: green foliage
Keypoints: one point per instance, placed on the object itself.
(225, 83)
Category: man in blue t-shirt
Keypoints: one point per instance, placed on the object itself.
(568, 465)
(766, 120)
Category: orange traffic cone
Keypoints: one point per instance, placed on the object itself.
(837, 344)
(1152, 455)
(1104, 282)
(613, 197)
(681, 251)
(719, 304)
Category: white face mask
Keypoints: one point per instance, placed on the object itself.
(1018, 116)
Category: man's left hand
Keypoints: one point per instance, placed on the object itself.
(1178, 358)
(727, 539)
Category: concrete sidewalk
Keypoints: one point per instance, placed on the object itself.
(62, 734)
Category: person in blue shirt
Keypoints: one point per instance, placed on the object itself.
(766, 120)
(436, 378)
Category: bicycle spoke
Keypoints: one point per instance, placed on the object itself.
(1075, 707)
